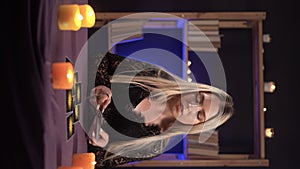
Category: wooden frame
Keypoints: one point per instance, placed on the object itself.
(235, 20)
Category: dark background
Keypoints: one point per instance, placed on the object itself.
(279, 66)
(21, 59)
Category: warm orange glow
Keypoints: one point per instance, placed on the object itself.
(62, 75)
(70, 75)
(273, 87)
(269, 87)
(69, 17)
(88, 15)
(269, 132)
(84, 160)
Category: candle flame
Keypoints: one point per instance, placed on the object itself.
(88, 15)
(91, 13)
(70, 75)
(80, 17)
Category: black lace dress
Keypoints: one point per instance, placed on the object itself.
(112, 115)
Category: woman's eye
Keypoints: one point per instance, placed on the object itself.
(201, 116)
(198, 99)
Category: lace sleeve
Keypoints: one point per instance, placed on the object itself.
(106, 69)
(116, 161)
(110, 63)
(147, 154)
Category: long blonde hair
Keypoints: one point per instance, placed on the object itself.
(168, 88)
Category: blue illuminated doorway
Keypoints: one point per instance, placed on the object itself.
(159, 40)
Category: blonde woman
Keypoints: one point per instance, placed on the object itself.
(144, 106)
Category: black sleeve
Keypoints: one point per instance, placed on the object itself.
(106, 69)
(111, 62)
(114, 162)
(126, 127)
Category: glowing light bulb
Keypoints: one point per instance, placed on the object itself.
(188, 71)
(269, 87)
(269, 132)
(189, 63)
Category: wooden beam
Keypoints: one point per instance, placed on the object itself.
(234, 24)
(200, 163)
(258, 91)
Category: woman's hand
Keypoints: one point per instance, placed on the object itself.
(100, 97)
(102, 141)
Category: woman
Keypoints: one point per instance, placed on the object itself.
(144, 106)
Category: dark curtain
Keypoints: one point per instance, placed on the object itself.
(22, 89)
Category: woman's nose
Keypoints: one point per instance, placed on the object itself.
(194, 107)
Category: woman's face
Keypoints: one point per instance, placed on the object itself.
(194, 108)
(191, 109)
